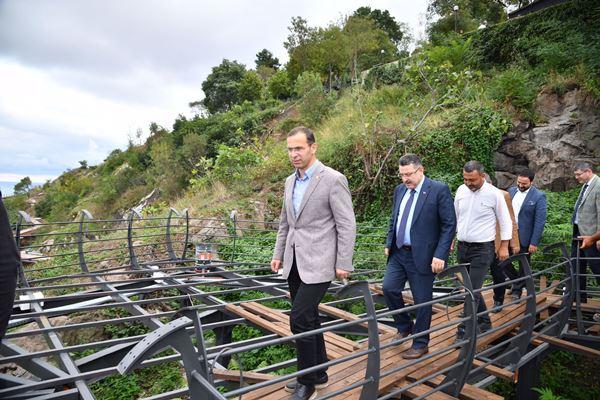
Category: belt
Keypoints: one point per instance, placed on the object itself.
(474, 243)
(406, 247)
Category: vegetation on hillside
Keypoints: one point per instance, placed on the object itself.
(451, 100)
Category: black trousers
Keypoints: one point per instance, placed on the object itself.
(480, 256)
(9, 257)
(593, 263)
(499, 276)
(304, 317)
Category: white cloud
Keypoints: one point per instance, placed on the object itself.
(78, 78)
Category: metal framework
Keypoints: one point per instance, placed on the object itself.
(99, 274)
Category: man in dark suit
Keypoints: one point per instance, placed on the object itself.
(9, 258)
(531, 208)
(422, 226)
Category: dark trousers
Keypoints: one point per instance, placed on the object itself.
(480, 256)
(499, 276)
(305, 317)
(593, 263)
(400, 268)
(9, 258)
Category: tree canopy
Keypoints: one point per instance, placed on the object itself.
(265, 58)
(221, 87)
(384, 21)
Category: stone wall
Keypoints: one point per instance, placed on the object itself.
(570, 132)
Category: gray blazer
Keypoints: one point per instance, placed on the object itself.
(589, 211)
(323, 232)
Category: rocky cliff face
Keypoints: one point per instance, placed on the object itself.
(571, 133)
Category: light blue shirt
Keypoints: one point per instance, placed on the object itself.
(300, 186)
(407, 241)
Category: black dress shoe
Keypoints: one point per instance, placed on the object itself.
(497, 306)
(321, 383)
(484, 326)
(304, 392)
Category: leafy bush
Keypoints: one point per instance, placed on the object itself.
(314, 104)
(514, 87)
(279, 85)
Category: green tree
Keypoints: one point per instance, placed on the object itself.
(23, 186)
(265, 58)
(279, 85)
(466, 15)
(384, 21)
(250, 87)
(314, 104)
(221, 87)
(366, 45)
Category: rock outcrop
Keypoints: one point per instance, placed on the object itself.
(570, 133)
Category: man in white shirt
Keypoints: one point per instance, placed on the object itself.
(478, 205)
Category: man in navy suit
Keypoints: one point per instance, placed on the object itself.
(422, 226)
(530, 206)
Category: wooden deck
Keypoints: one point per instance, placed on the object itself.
(352, 371)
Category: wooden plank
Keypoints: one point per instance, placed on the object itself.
(502, 373)
(543, 284)
(420, 390)
(470, 392)
(348, 316)
(408, 299)
(234, 376)
(591, 306)
(569, 346)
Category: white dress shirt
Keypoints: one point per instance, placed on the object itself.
(517, 202)
(417, 189)
(477, 213)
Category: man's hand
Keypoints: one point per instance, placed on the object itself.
(503, 253)
(452, 246)
(437, 265)
(598, 245)
(532, 249)
(516, 249)
(587, 241)
(275, 265)
(386, 251)
(341, 273)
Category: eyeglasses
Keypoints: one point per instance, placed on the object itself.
(579, 173)
(408, 174)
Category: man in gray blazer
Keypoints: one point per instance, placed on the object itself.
(315, 243)
(586, 221)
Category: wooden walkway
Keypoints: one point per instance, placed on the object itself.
(346, 373)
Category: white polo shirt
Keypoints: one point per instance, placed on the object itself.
(477, 213)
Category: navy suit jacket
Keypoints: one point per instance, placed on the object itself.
(433, 225)
(532, 216)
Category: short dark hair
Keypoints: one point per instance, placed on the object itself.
(474, 165)
(310, 136)
(409, 159)
(527, 173)
(582, 166)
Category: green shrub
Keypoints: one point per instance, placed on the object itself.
(314, 103)
(514, 87)
(279, 85)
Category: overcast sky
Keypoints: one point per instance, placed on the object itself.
(79, 77)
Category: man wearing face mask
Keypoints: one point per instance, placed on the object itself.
(478, 206)
(421, 229)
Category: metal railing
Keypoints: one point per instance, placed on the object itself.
(143, 273)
